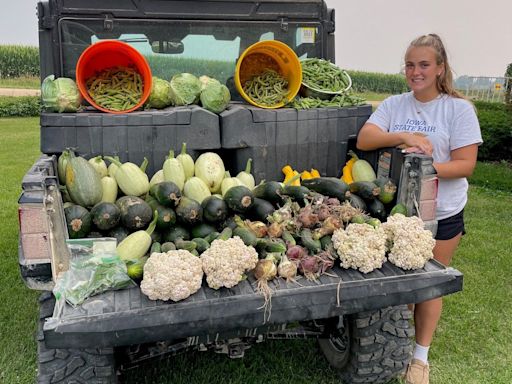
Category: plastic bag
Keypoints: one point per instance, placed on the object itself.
(94, 267)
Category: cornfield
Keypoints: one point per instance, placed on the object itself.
(18, 61)
(378, 82)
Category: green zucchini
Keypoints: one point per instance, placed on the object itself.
(176, 232)
(297, 192)
(239, 198)
(78, 220)
(247, 236)
(328, 186)
(214, 209)
(189, 211)
(366, 189)
(135, 212)
(167, 193)
(387, 190)
(202, 230)
(105, 215)
(376, 209)
(261, 209)
(269, 191)
(357, 202)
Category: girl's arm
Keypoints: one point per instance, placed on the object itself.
(372, 137)
(462, 163)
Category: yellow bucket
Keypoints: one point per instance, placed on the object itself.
(269, 54)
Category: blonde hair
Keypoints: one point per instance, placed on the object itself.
(445, 80)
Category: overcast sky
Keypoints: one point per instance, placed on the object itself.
(372, 35)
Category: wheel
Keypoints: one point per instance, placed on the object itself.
(370, 347)
(76, 366)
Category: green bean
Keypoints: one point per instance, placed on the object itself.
(116, 88)
(268, 88)
(322, 75)
(345, 99)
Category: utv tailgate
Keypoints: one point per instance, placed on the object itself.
(127, 317)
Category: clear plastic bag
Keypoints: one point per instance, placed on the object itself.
(94, 267)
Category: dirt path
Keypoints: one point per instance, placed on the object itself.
(19, 92)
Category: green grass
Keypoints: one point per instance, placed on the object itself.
(29, 82)
(373, 96)
(472, 345)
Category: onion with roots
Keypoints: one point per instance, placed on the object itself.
(287, 269)
(265, 271)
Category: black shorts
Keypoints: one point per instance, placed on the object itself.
(450, 227)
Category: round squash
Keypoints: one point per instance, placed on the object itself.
(78, 221)
(135, 212)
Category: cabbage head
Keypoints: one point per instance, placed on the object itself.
(160, 94)
(185, 89)
(215, 97)
(205, 80)
(60, 95)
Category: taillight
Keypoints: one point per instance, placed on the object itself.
(34, 233)
(428, 195)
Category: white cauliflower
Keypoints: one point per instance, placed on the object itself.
(173, 275)
(360, 246)
(225, 262)
(410, 245)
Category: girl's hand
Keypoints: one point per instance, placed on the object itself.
(417, 143)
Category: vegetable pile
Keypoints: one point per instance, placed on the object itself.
(193, 219)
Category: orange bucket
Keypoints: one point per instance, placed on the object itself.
(269, 54)
(108, 54)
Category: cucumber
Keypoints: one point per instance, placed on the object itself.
(239, 198)
(357, 202)
(168, 246)
(269, 191)
(399, 208)
(366, 189)
(212, 236)
(225, 234)
(187, 245)
(155, 247)
(328, 186)
(201, 244)
(326, 242)
(261, 209)
(248, 237)
(306, 237)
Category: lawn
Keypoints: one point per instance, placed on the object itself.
(31, 82)
(472, 345)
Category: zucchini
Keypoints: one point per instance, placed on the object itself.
(176, 232)
(136, 244)
(130, 178)
(366, 189)
(328, 186)
(173, 170)
(105, 215)
(120, 233)
(214, 209)
(82, 181)
(135, 212)
(261, 209)
(387, 190)
(202, 230)
(78, 221)
(269, 191)
(239, 198)
(166, 193)
(376, 209)
(189, 211)
(357, 202)
(297, 192)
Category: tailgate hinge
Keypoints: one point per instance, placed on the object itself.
(108, 23)
(284, 24)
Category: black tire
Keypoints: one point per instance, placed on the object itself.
(370, 347)
(58, 366)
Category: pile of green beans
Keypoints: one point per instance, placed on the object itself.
(116, 89)
(268, 89)
(338, 101)
(322, 75)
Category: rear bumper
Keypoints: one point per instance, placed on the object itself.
(128, 317)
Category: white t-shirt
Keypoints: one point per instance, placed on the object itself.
(449, 123)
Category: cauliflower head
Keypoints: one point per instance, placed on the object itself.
(410, 244)
(360, 246)
(173, 275)
(225, 262)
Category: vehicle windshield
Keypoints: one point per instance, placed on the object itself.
(198, 47)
